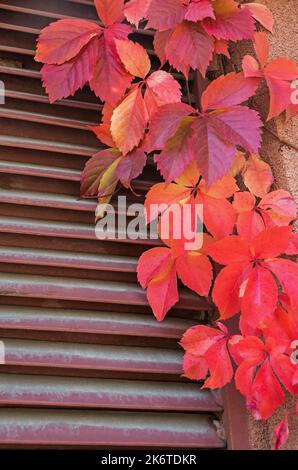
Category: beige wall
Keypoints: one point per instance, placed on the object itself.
(283, 159)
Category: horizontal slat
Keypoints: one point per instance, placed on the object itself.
(86, 290)
(54, 354)
(71, 230)
(68, 174)
(49, 146)
(58, 201)
(89, 428)
(67, 259)
(24, 390)
(86, 321)
(45, 119)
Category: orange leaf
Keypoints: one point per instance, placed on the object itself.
(134, 57)
(129, 121)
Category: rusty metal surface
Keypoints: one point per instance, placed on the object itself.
(86, 362)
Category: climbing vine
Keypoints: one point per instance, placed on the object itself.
(206, 155)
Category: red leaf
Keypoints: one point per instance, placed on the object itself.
(257, 176)
(103, 132)
(110, 11)
(129, 121)
(165, 15)
(222, 47)
(136, 10)
(228, 90)
(281, 433)
(271, 242)
(216, 136)
(260, 298)
(240, 126)
(209, 148)
(163, 194)
(162, 292)
(195, 368)
(267, 394)
(231, 22)
(293, 245)
(110, 79)
(131, 166)
(165, 123)
(226, 290)
(156, 271)
(61, 81)
(287, 273)
(159, 42)
(278, 75)
(261, 46)
(134, 57)
(219, 216)
(280, 206)
(255, 378)
(152, 263)
(198, 10)
(64, 39)
(210, 345)
(195, 271)
(177, 154)
(189, 47)
(95, 169)
(230, 250)
(161, 89)
(261, 14)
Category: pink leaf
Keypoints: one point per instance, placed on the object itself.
(64, 39)
(136, 10)
(61, 81)
(228, 90)
(189, 47)
(166, 14)
(110, 11)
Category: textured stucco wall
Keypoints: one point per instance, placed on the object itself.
(283, 159)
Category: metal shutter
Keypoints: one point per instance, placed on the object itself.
(86, 363)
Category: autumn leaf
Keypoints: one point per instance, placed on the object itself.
(230, 22)
(134, 57)
(165, 15)
(190, 188)
(110, 78)
(198, 10)
(281, 433)
(259, 375)
(110, 11)
(61, 81)
(64, 39)
(207, 346)
(158, 269)
(261, 14)
(257, 176)
(248, 281)
(92, 177)
(136, 10)
(131, 166)
(189, 46)
(278, 74)
(129, 121)
(161, 89)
